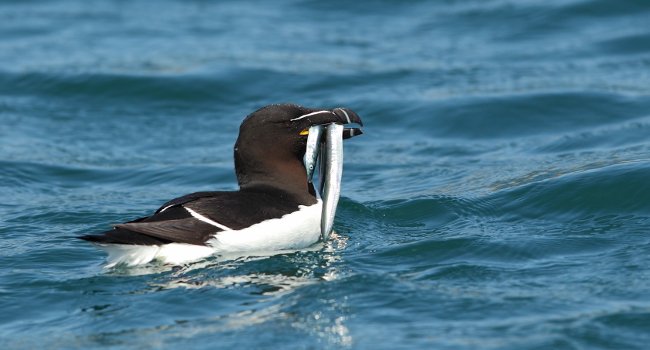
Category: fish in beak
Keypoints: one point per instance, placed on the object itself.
(324, 150)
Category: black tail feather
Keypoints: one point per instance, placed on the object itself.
(122, 236)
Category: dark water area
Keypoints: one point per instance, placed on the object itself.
(499, 198)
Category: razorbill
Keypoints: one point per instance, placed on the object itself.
(276, 207)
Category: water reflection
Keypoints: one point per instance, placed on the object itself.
(319, 310)
(283, 272)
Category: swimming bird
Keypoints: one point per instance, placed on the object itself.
(276, 208)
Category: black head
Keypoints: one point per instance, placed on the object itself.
(272, 141)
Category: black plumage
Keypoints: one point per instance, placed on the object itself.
(270, 172)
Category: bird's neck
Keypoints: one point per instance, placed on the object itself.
(287, 176)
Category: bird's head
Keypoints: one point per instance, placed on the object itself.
(272, 141)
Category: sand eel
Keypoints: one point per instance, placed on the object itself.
(276, 208)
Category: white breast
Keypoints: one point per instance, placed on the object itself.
(296, 230)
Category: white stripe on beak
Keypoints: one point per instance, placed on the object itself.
(347, 117)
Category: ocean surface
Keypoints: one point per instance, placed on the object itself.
(499, 198)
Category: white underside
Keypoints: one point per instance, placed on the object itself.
(296, 230)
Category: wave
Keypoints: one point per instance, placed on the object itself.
(125, 87)
(619, 190)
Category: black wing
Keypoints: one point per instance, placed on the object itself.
(173, 222)
(189, 230)
(172, 225)
(187, 198)
(238, 210)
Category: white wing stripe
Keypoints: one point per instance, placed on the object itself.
(206, 220)
(165, 208)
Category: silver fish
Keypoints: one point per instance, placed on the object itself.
(311, 153)
(330, 176)
(322, 150)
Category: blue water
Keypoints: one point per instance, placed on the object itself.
(499, 198)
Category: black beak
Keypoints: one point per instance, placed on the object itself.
(343, 116)
(350, 117)
(347, 116)
(348, 133)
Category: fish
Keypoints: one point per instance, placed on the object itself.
(324, 151)
(313, 149)
(330, 176)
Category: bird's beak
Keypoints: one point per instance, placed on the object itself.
(321, 121)
(350, 120)
(324, 150)
(347, 116)
(344, 116)
(351, 132)
(347, 132)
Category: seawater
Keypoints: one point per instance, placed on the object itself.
(499, 198)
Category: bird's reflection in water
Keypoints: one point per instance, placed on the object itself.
(293, 292)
